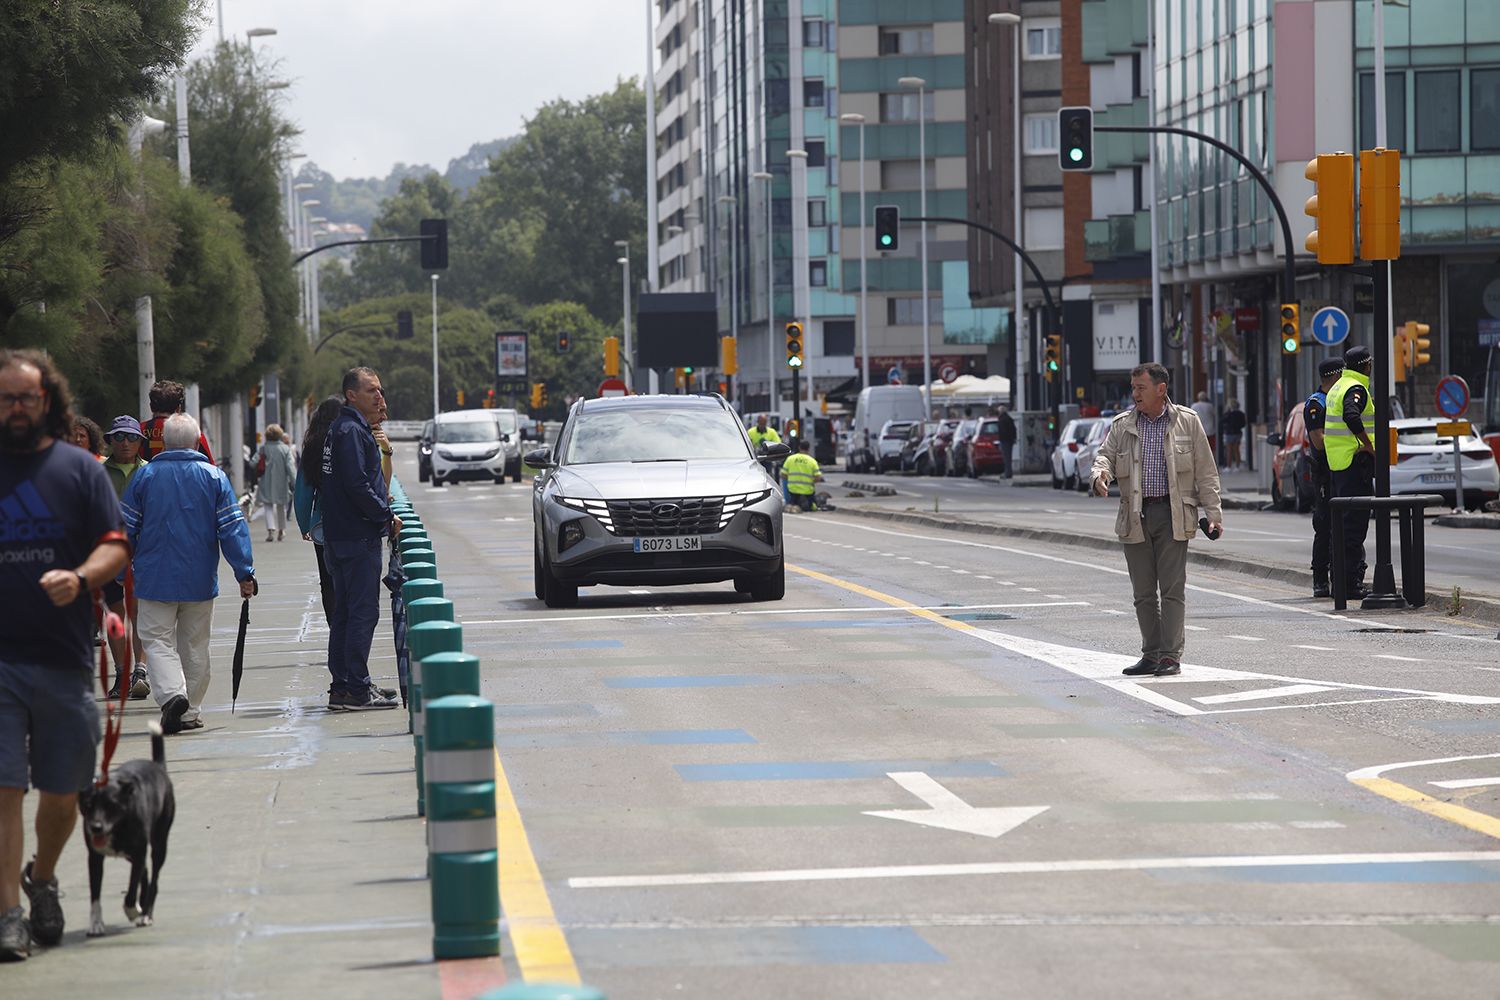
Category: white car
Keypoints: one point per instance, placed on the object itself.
(466, 445)
(1424, 464)
(1087, 452)
(892, 439)
(1065, 455)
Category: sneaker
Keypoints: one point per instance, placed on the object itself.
(114, 691)
(384, 692)
(1168, 667)
(140, 687)
(171, 714)
(15, 935)
(368, 701)
(46, 908)
(338, 701)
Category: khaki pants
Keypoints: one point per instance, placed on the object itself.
(176, 636)
(1158, 575)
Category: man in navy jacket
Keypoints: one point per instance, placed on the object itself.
(356, 519)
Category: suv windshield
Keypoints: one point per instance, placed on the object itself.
(654, 434)
(467, 431)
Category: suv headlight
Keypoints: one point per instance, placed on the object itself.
(736, 502)
(598, 509)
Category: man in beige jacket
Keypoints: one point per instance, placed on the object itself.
(1159, 455)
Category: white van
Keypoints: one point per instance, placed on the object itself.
(876, 405)
(467, 445)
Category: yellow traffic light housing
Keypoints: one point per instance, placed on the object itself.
(460, 397)
(1418, 343)
(1400, 353)
(611, 356)
(729, 359)
(1291, 328)
(1332, 207)
(255, 395)
(794, 356)
(538, 395)
(1380, 204)
(1052, 358)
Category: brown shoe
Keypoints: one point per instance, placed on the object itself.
(1168, 667)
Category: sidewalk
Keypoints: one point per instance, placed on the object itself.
(297, 863)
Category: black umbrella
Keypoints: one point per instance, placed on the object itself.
(394, 578)
(238, 670)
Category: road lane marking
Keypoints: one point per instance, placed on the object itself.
(1286, 691)
(946, 811)
(1370, 779)
(1026, 868)
(541, 948)
(1318, 649)
(875, 609)
(1245, 638)
(1191, 628)
(1403, 659)
(1467, 783)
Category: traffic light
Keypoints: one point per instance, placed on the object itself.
(538, 395)
(1380, 204)
(403, 325)
(887, 227)
(1052, 357)
(793, 428)
(794, 345)
(611, 356)
(1332, 207)
(489, 400)
(1075, 150)
(729, 358)
(564, 343)
(1400, 353)
(1291, 328)
(255, 395)
(434, 234)
(460, 397)
(1418, 343)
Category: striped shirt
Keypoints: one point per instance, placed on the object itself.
(1154, 451)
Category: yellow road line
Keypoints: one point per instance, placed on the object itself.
(1468, 818)
(542, 950)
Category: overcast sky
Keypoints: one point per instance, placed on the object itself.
(376, 82)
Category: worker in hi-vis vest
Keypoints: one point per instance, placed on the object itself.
(801, 473)
(1348, 442)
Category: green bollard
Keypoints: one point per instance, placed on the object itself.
(408, 544)
(419, 555)
(450, 673)
(415, 590)
(461, 834)
(422, 641)
(411, 531)
(543, 991)
(428, 609)
(419, 570)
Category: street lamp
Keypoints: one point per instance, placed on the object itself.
(312, 266)
(276, 85)
(1018, 384)
(624, 261)
(772, 403)
(734, 268)
(853, 118)
(921, 85)
(800, 305)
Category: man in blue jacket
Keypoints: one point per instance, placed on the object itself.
(356, 519)
(180, 513)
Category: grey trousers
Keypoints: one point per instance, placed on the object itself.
(1158, 575)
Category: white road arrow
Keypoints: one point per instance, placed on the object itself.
(949, 812)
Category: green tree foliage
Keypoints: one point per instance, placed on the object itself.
(393, 268)
(579, 371)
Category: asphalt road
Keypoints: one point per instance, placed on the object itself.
(921, 774)
(1462, 557)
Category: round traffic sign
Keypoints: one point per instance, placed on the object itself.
(948, 373)
(895, 375)
(613, 387)
(1452, 396)
(1330, 326)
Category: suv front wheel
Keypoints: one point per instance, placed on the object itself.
(771, 587)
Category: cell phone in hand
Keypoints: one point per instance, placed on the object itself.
(1212, 535)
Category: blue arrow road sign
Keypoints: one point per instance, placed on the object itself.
(1330, 326)
(895, 376)
(1452, 396)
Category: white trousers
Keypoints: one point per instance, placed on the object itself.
(275, 517)
(175, 636)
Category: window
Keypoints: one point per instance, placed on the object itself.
(1436, 111)
(1041, 134)
(812, 93)
(778, 97)
(1043, 38)
(904, 107)
(905, 41)
(1395, 110)
(812, 34)
(903, 175)
(908, 311)
(1044, 228)
(1484, 109)
(838, 338)
(781, 212)
(817, 273)
(817, 153)
(817, 212)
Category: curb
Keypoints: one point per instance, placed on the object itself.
(1468, 521)
(1475, 608)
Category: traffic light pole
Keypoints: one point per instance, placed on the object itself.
(359, 243)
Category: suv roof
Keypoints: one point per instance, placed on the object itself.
(704, 401)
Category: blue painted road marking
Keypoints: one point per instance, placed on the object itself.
(751, 947)
(836, 770)
(628, 737)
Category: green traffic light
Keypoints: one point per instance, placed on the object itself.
(885, 241)
(1289, 345)
(1075, 154)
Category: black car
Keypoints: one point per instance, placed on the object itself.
(424, 452)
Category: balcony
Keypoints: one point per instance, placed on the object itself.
(1117, 237)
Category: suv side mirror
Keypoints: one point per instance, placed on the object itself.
(1275, 439)
(540, 458)
(774, 451)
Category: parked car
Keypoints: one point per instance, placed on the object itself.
(654, 491)
(467, 445)
(984, 454)
(876, 405)
(958, 449)
(916, 452)
(890, 441)
(1292, 466)
(1424, 464)
(1065, 455)
(1087, 452)
(942, 442)
(424, 452)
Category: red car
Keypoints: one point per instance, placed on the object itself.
(942, 440)
(1292, 465)
(984, 450)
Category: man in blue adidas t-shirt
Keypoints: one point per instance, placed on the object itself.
(60, 539)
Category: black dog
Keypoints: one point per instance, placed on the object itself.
(121, 819)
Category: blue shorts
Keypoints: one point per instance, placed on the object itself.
(49, 727)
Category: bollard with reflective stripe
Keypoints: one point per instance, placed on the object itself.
(449, 673)
(415, 590)
(461, 832)
(419, 570)
(422, 641)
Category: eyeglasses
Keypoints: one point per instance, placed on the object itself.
(26, 399)
(122, 436)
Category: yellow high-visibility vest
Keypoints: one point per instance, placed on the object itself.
(1339, 441)
(769, 436)
(801, 472)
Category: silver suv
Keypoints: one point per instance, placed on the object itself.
(655, 491)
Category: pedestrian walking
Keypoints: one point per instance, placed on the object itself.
(801, 473)
(1007, 438)
(357, 517)
(1314, 414)
(87, 435)
(1231, 433)
(166, 397)
(277, 482)
(1159, 454)
(59, 540)
(124, 441)
(1351, 457)
(180, 514)
(1209, 418)
(305, 497)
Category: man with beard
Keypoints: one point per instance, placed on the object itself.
(60, 540)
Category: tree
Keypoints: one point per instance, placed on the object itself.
(393, 268)
(576, 373)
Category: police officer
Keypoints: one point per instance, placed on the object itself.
(1313, 413)
(1351, 456)
(801, 473)
(762, 434)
